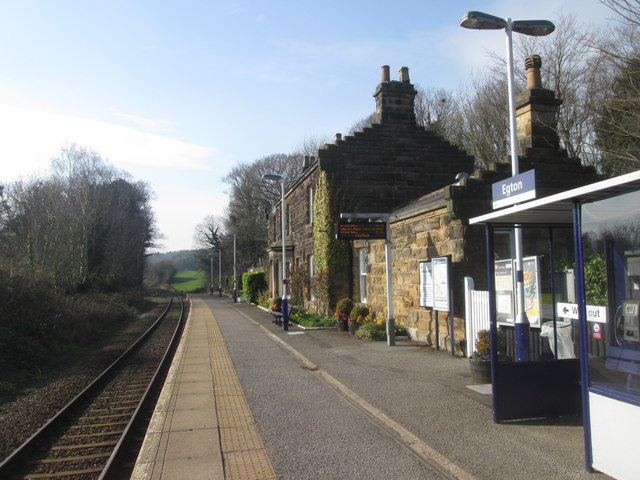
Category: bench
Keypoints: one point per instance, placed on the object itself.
(624, 360)
(277, 316)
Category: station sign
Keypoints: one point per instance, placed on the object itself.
(361, 230)
(516, 189)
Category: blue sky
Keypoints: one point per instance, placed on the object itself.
(178, 92)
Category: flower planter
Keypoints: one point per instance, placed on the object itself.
(480, 370)
(353, 326)
(343, 325)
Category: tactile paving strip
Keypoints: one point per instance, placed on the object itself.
(243, 452)
(252, 464)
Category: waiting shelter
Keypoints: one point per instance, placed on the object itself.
(604, 267)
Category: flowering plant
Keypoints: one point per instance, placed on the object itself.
(276, 306)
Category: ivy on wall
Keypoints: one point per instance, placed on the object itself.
(322, 241)
(329, 254)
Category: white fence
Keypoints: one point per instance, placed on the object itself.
(476, 313)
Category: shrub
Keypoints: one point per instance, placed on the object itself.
(253, 284)
(483, 348)
(372, 331)
(483, 344)
(359, 312)
(303, 317)
(401, 330)
(344, 306)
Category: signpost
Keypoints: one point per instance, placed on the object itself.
(372, 230)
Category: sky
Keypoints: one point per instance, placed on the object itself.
(177, 93)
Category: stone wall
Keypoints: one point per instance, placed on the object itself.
(299, 231)
(435, 225)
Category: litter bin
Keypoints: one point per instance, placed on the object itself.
(565, 340)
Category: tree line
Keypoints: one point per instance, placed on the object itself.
(595, 74)
(84, 225)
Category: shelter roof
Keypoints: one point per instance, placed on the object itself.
(556, 210)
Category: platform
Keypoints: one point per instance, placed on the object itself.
(202, 427)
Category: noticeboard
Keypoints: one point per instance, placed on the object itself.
(426, 285)
(361, 231)
(440, 271)
(506, 293)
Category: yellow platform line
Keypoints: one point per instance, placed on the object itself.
(243, 452)
(202, 427)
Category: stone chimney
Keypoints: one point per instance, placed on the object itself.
(395, 99)
(536, 111)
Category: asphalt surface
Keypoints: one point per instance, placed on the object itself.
(329, 406)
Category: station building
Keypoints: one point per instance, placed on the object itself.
(428, 188)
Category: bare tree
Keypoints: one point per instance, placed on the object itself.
(484, 114)
(208, 233)
(86, 225)
(362, 123)
(438, 110)
(618, 120)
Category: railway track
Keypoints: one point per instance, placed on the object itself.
(90, 436)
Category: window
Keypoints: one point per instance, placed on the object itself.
(289, 229)
(362, 267)
(274, 224)
(611, 256)
(310, 266)
(310, 205)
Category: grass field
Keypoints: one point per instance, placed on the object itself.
(189, 280)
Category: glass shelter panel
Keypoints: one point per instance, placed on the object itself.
(611, 256)
(548, 267)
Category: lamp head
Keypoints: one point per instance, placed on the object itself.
(533, 28)
(271, 176)
(482, 21)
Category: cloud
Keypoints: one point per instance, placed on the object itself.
(148, 124)
(31, 138)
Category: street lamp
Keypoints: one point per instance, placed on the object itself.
(285, 317)
(211, 276)
(219, 271)
(535, 28)
(235, 284)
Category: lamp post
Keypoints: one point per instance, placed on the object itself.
(219, 271)
(285, 317)
(211, 276)
(235, 284)
(535, 28)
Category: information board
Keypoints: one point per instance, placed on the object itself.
(504, 282)
(440, 271)
(506, 295)
(426, 285)
(361, 231)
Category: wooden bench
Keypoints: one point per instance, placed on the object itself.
(624, 359)
(277, 316)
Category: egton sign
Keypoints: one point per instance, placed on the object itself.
(516, 189)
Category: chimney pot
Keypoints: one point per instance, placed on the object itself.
(385, 74)
(338, 137)
(533, 63)
(404, 74)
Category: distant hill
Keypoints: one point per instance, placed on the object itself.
(182, 259)
(161, 267)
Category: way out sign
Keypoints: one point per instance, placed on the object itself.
(516, 189)
(595, 313)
